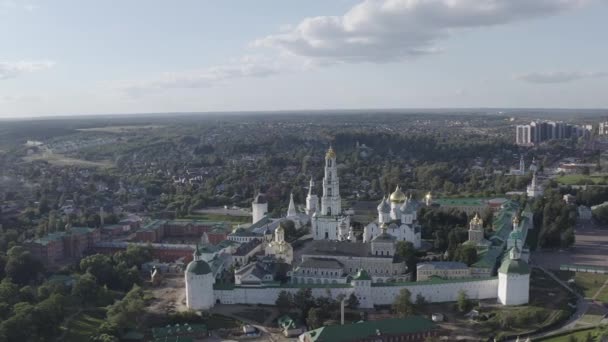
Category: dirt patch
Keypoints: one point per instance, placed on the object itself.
(169, 296)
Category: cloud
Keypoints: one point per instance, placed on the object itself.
(559, 76)
(390, 30)
(17, 4)
(14, 69)
(244, 67)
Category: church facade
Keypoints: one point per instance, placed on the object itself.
(397, 215)
(327, 221)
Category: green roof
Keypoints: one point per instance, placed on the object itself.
(286, 322)
(488, 258)
(516, 235)
(362, 275)
(514, 267)
(460, 202)
(363, 330)
(199, 267)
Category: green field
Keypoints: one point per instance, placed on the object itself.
(216, 321)
(548, 306)
(579, 335)
(83, 325)
(582, 179)
(587, 283)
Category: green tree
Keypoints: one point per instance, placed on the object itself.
(420, 301)
(403, 305)
(466, 254)
(100, 266)
(21, 267)
(303, 300)
(86, 288)
(313, 319)
(284, 301)
(463, 301)
(407, 252)
(352, 301)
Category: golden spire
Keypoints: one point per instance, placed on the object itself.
(330, 153)
(515, 221)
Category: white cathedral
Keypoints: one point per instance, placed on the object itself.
(327, 221)
(397, 217)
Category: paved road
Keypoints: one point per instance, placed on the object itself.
(582, 305)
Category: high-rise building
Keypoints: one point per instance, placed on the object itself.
(539, 131)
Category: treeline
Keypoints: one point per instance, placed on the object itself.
(33, 308)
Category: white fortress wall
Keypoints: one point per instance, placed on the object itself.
(380, 295)
(436, 293)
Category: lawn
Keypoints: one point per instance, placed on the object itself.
(587, 283)
(548, 306)
(257, 315)
(603, 296)
(579, 335)
(582, 179)
(216, 321)
(83, 325)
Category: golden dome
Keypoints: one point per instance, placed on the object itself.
(330, 153)
(398, 196)
(515, 221)
(477, 220)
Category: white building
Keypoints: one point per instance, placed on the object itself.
(514, 280)
(442, 269)
(198, 278)
(534, 189)
(476, 235)
(279, 248)
(312, 200)
(259, 207)
(398, 214)
(522, 168)
(328, 223)
(584, 213)
(603, 128)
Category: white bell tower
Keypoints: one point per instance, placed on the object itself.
(331, 203)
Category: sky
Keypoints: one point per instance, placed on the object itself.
(75, 57)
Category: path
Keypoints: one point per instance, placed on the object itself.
(582, 305)
(600, 290)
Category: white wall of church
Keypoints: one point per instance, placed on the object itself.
(514, 289)
(197, 291)
(325, 228)
(436, 293)
(268, 296)
(376, 295)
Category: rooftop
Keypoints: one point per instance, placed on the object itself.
(441, 265)
(461, 202)
(340, 248)
(322, 263)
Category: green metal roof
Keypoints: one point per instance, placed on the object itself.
(199, 267)
(488, 258)
(461, 202)
(362, 275)
(363, 330)
(511, 266)
(516, 235)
